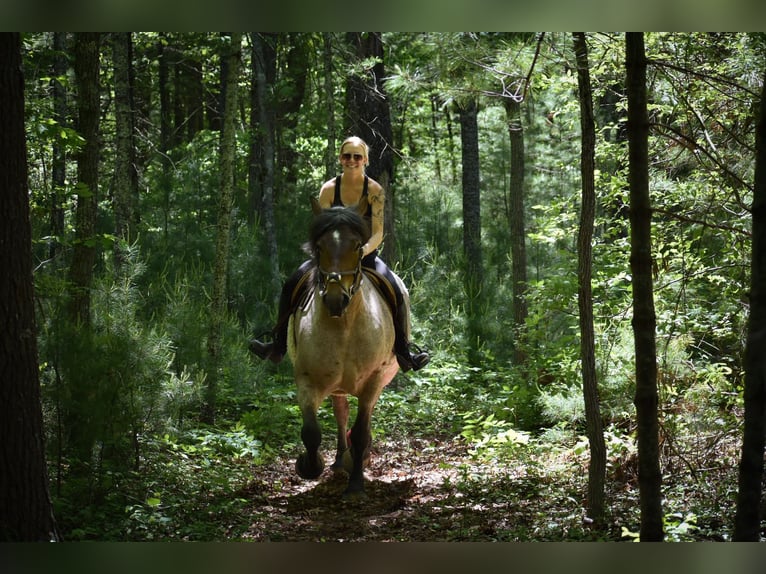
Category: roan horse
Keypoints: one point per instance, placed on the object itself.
(340, 342)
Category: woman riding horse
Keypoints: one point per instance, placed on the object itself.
(348, 189)
(341, 341)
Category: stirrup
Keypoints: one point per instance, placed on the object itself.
(413, 360)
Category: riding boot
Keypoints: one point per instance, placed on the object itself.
(292, 293)
(275, 349)
(404, 349)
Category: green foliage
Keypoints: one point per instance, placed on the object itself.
(677, 528)
(191, 486)
(273, 415)
(105, 383)
(491, 437)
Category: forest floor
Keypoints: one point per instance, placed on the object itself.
(447, 478)
(424, 488)
(428, 490)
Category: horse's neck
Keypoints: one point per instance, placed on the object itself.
(365, 331)
(351, 315)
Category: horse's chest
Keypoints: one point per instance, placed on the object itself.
(346, 354)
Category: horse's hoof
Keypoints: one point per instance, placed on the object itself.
(343, 463)
(355, 491)
(306, 470)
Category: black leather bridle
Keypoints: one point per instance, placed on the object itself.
(327, 278)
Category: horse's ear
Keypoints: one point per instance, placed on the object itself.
(315, 207)
(361, 207)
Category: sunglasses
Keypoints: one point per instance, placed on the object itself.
(348, 156)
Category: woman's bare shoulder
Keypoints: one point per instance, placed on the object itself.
(374, 188)
(326, 193)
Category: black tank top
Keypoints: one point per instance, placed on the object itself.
(338, 202)
(370, 258)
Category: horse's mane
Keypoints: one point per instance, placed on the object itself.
(335, 218)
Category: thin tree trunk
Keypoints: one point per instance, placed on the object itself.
(263, 58)
(747, 526)
(216, 101)
(179, 96)
(26, 513)
(58, 164)
(254, 177)
(331, 153)
(163, 80)
(125, 182)
(194, 97)
(474, 275)
(517, 228)
(287, 108)
(597, 467)
(84, 253)
(218, 307)
(370, 119)
(644, 320)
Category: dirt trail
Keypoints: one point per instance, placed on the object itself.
(428, 491)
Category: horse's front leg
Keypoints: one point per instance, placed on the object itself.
(310, 464)
(340, 410)
(361, 439)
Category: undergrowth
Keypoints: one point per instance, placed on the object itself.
(202, 484)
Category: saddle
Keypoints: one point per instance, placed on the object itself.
(303, 289)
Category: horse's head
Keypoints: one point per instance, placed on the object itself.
(336, 238)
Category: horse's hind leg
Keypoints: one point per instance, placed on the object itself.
(310, 464)
(340, 409)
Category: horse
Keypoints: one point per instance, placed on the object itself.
(340, 342)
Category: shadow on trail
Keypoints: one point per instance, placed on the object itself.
(326, 497)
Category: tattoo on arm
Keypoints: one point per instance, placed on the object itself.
(377, 205)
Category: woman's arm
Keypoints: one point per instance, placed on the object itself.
(377, 198)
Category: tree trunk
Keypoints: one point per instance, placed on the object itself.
(370, 119)
(644, 320)
(125, 179)
(179, 96)
(216, 100)
(218, 307)
(474, 275)
(517, 227)
(597, 467)
(264, 62)
(293, 77)
(163, 86)
(58, 163)
(331, 153)
(435, 139)
(86, 66)
(194, 97)
(254, 177)
(27, 513)
(747, 526)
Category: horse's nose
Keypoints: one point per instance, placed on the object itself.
(336, 303)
